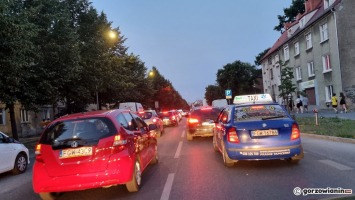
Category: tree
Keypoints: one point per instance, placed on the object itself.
(213, 92)
(290, 14)
(16, 57)
(260, 56)
(238, 76)
(286, 87)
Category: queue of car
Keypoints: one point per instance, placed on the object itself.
(110, 147)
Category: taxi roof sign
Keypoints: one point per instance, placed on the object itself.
(253, 98)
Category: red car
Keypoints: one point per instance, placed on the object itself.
(91, 150)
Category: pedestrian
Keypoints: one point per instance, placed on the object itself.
(290, 104)
(335, 103)
(343, 103)
(299, 104)
(305, 103)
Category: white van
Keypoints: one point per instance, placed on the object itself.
(132, 106)
(220, 103)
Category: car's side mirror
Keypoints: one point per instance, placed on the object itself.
(9, 140)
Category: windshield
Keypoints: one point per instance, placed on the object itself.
(257, 112)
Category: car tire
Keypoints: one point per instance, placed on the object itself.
(189, 137)
(134, 184)
(20, 164)
(155, 160)
(226, 160)
(214, 142)
(158, 134)
(49, 195)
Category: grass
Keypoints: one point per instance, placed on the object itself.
(337, 127)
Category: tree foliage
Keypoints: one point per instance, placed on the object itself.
(213, 92)
(260, 56)
(290, 14)
(286, 87)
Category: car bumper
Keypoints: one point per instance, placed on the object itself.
(266, 153)
(201, 132)
(119, 171)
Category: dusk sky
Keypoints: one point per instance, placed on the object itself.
(189, 40)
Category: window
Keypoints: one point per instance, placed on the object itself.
(277, 59)
(122, 120)
(328, 93)
(269, 61)
(2, 116)
(271, 74)
(297, 48)
(302, 22)
(326, 4)
(286, 53)
(310, 66)
(298, 73)
(308, 41)
(24, 115)
(323, 32)
(326, 63)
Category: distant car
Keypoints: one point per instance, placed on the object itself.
(200, 122)
(151, 117)
(134, 107)
(169, 118)
(14, 155)
(91, 150)
(256, 128)
(219, 103)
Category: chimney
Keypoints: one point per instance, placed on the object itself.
(311, 5)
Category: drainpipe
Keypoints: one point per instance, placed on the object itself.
(337, 41)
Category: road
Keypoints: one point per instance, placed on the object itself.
(192, 170)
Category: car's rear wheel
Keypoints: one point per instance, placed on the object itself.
(155, 160)
(158, 133)
(226, 160)
(134, 184)
(189, 136)
(215, 147)
(21, 163)
(49, 195)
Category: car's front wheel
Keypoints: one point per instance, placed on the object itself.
(21, 163)
(134, 184)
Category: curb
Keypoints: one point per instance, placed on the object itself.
(331, 138)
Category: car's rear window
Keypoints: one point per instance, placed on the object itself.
(257, 112)
(205, 114)
(86, 131)
(165, 114)
(146, 115)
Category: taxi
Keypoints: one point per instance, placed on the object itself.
(256, 128)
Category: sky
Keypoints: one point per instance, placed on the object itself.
(188, 41)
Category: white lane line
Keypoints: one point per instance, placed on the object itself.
(183, 134)
(336, 165)
(167, 187)
(177, 153)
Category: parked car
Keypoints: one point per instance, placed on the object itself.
(200, 122)
(152, 117)
(14, 155)
(169, 118)
(256, 128)
(93, 149)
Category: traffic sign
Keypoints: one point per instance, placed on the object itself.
(228, 94)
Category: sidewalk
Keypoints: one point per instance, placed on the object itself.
(329, 112)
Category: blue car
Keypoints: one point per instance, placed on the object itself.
(256, 128)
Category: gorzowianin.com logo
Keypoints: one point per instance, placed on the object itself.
(306, 191)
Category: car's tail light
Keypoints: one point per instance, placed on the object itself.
(38, 153)
(295, 133)
(118, 140)
(173, 118)
(232, 135)
(193, 121)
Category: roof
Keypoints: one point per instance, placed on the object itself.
(283, 39)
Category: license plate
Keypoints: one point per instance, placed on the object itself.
(78, 152)
(206, 124)
(264, 133)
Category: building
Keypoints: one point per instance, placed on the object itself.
(319, 46)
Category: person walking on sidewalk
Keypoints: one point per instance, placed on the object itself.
(305, 103)
(343, 102)
(335, 103)
(299, 104)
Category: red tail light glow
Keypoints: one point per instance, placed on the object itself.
(38, 153)
(232, 135)
(295, 133)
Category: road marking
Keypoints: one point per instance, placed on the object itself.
(167, 187)
(177, 153)
(183, 134)
(336, 165)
